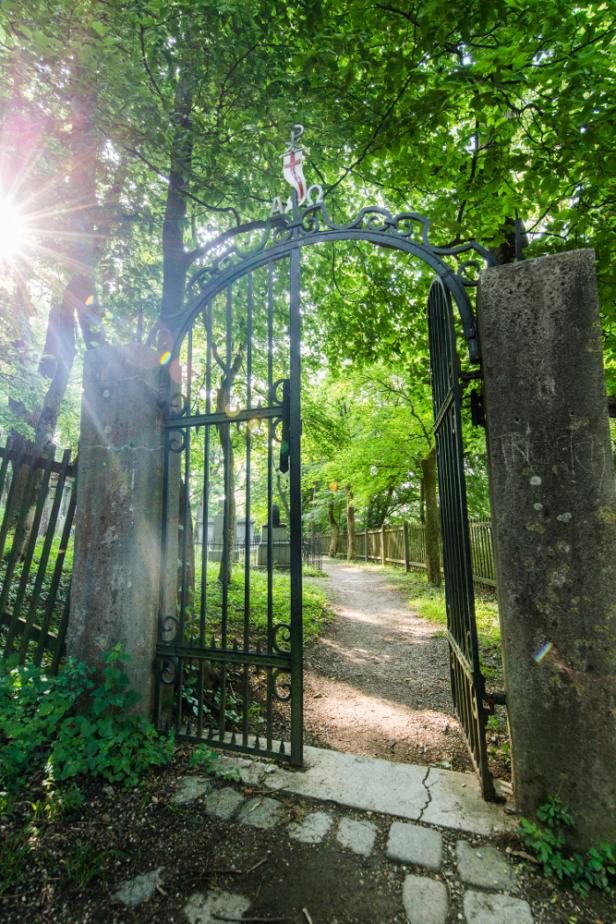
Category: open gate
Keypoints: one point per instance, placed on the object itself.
(229, 657)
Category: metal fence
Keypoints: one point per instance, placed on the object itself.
(405, 545)
(37, 509)
(258, 552)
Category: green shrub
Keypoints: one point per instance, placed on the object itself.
(595, 869)
(41, 728)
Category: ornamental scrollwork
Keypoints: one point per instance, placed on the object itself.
(169, 671)
(281, 638)
(281, 685)
(257, 237)
(177, 441)
(169, 628)
(178, 405)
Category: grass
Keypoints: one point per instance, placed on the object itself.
(429, 603)
(315, 609)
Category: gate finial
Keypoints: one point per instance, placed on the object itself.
(293, 172)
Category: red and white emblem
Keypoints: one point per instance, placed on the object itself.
(293, 171)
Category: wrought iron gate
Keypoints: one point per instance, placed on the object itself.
(231, 646)
(230, 629)
(467, 682)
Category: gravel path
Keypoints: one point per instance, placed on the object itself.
(377, 680)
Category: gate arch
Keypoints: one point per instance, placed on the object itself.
(209, 663)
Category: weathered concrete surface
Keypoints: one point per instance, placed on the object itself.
(410, 843)
(441, 797)
(312, 829)
(261, 813)
(425, 900)
(191, 788)
(223, 803)
(135, 891)
(554, 516)
(482, 908)
(358, 836)
(116, 565)
(485, 867)
(215, 906)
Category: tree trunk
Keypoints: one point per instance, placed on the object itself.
(175, 259)
(351, 541)
(334, 530)
(433, 554)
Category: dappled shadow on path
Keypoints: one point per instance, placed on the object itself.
(377, 681)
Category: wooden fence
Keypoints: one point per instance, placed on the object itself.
(37, 508)
(406, 545)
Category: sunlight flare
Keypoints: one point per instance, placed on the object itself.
(13, 231)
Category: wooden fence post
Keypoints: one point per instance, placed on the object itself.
(366, 544)
(405, 532)
(383, 555)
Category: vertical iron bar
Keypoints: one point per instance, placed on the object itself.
(6, 456)
(295, 496)
(164, 555)
(247, 511)
(46, 550)
(270, 466)
(18, 459)
(57, 574)
(18, 535)
(457, 558)
(59, 649)
(29, 555)
(226, 542)
(205, 519)
(184, 547)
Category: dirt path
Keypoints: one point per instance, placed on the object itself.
(377, 680)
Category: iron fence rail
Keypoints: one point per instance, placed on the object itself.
(37, 509)
(387, 545)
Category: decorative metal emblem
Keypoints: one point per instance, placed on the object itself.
(293, 172)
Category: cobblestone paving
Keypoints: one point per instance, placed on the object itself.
(447, 878)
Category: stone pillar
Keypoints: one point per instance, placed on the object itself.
(554, 518)
(116, 564)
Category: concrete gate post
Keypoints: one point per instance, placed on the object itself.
(116, 564)
(554, 518)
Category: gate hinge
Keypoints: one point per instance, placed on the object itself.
(491, 700)
(470, 376)
(478, 409)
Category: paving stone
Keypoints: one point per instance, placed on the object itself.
(260, 813)
(312, 829)
(223, 803)
(485, 867)
(401, 790)
(456, 802)
(358, 836)
(425, 900)
(133, 892)
(211, 907)
(483, 908)
(413, 844)
(190, 788)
